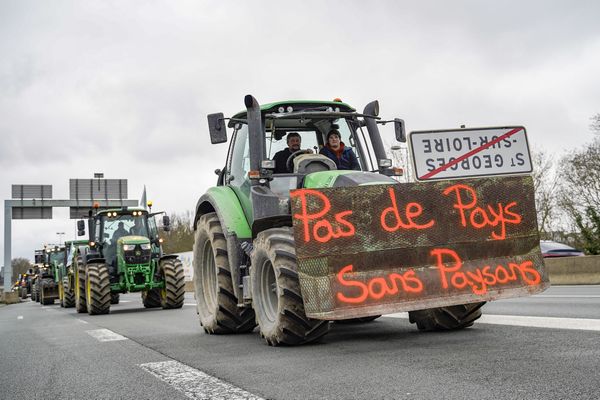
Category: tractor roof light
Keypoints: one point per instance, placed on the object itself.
(96, 205)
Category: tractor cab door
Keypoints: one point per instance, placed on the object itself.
(238, 166)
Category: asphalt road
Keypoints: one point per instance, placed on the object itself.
(134, 353)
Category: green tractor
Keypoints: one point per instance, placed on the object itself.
(246, 249)
(65, 276)
(44, 287)
(125, 255)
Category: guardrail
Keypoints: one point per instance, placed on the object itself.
(574, 270)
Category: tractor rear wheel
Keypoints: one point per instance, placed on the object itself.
(97, 289)
(217, 307)
(80, 301)
(151, 298)
(68, 295)
(173, 294)
(276, 295)
(114, 298)
(35, 292)
(446, 318)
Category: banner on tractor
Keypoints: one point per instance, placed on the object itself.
(380, 249)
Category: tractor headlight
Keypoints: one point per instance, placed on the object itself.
(145, 246)
(128, 247)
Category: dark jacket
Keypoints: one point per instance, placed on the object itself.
(343, 159)
(280, 159)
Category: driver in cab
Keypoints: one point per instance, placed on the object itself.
(281, 157)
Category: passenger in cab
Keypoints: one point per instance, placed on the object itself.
(342, 156)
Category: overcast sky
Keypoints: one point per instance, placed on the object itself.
(124, 87)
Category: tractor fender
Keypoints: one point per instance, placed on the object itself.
(223, 201)
(168, 257)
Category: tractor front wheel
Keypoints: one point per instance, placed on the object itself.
(97, 289)
(80, 298)
(276, 295)
(446, 318)
(217, 307)
(68, 295)
(151, 298)
(173, 294)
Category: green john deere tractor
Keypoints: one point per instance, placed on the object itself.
(125, 255)
(44, 287)
(65, 276)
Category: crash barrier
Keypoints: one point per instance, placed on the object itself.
(10, 297)
(574, 270)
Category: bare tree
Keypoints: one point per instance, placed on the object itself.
(579, 190)
(545, 185)
(595, 125)
(19, 266)
(181, 236)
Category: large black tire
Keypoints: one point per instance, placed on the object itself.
(446, 318)
(114, 298)
(173, 295)
(151, 298)
(68, 294)
(276, 295)
(97, 289)
(35, 292)
(217, 307)
(80, 301)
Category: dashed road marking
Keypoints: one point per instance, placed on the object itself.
(583, 324)
(20, 317)
(190, 304)
(195, 384)
(82, 321)
(105, 335)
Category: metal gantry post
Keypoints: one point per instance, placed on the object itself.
(7, 245)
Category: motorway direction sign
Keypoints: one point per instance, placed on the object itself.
(463, 153)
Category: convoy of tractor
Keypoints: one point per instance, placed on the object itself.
(288, 252)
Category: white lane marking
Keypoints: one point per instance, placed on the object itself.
(190, 304)
(20, 317)
(195, 384)
(82, 321)
(124, 301)
(566, 296)
(105, 335)
(582, 324)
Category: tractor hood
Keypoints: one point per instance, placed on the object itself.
(339, 178)
(133, 239)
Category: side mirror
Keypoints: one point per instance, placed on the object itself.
(80, 228)
(399, 128)
(217, 128)
(166, 223)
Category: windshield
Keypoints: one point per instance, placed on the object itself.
(313, 134)
(58, 256)
(123, 225)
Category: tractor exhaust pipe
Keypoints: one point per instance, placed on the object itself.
(255, 132)
(373, 109)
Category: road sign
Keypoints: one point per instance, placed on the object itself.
(97, 189)
(462, 153)
(32, 213)
(31, 191)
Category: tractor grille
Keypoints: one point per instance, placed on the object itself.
(137, 256)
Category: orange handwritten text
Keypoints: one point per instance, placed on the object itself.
(412, 210)
(449, 265)
(479, 217)
(322, 230)
(378, 287)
